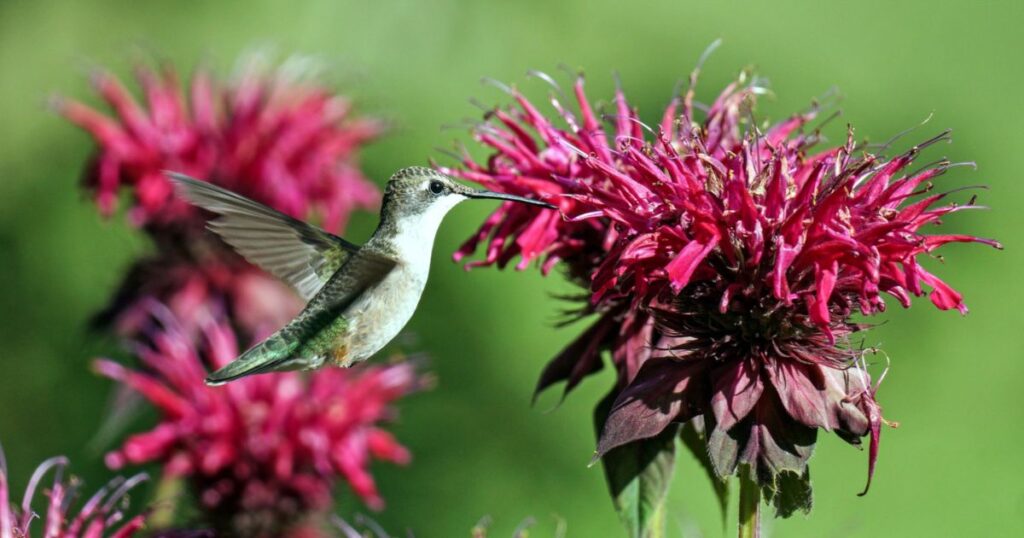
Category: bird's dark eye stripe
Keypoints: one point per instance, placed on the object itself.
(436, 187)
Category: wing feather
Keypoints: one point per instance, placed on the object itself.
(301, 254)
(356, 276)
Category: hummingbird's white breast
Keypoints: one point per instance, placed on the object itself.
(383, 311)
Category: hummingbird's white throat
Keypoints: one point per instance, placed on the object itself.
(414, 240)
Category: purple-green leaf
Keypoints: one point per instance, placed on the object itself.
(660, 394)
(579, 359)
(638, 476)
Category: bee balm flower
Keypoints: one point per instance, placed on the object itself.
(278, 137)
(264, 452)
(284, 140)
(741, 255)
(100, 516)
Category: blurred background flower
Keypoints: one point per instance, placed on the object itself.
(276, 134)
(261, 455)
(479, 447)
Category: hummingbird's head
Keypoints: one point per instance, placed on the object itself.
(422, 194)
(417, 199)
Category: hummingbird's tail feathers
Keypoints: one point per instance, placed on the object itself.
(275, 354)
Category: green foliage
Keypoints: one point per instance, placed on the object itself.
(639, 475)
(789, 492)
(692, 435)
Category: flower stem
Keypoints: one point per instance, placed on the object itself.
(168, 491)
(658, 526)
(750, 505)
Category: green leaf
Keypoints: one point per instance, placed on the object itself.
(638, 476)
(695, 438)
(789, 492)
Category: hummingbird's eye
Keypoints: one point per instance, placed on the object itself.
(436, 187)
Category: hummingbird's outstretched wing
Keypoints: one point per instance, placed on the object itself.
(301, 254)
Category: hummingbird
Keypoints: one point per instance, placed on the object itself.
(358, 297)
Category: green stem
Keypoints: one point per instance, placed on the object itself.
(750, 505)
(658, 521)
(165, 502)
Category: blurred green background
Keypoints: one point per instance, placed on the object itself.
(954, 466)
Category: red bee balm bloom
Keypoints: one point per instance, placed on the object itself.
(750, 252)
(275, 137)
(264, 451)
(279, 139)
(100, 516)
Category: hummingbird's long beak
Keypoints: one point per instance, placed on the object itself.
(508, 197)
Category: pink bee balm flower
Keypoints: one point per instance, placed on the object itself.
(263, 453)
(741, 253)
(287, 141)
(102, 514)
